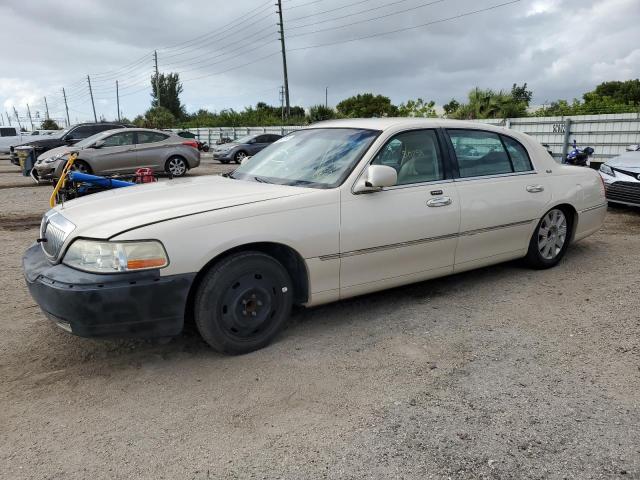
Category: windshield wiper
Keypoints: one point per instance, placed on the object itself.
(261, 180)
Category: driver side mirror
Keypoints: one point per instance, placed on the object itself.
(69, 140)
(376, 178)
(98, 144)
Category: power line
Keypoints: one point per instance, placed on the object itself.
(390, 32)
(360, 2)
(220, 30)
(397, 12)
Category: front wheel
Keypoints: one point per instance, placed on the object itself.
(243, 302)
(176, 166)
(550, 239)
(239, 156)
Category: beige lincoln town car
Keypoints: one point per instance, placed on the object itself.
(338, 209)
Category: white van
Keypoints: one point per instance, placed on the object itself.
(9, 136)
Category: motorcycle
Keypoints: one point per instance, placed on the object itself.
(579, 157)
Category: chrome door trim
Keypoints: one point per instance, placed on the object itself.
(498, 175)
(334, 256)
(595, 207)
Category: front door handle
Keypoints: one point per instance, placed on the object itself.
(535, 188)
(439, 202)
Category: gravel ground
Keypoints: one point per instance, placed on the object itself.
(502, 372)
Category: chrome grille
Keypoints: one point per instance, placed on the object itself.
(54, 229)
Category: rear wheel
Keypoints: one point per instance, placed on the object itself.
(176, 166)
(243, 302)
(550, 239)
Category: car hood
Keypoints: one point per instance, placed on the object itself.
(227, 146)
(55, 151)
(628, 161)
(105, 214)
(47, 143)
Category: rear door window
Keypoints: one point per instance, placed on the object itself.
(479, 153)
(151, 137)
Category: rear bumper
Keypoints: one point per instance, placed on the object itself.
(140, 304)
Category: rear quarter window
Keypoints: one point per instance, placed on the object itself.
(519, 156)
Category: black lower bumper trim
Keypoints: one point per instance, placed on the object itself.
(135, 304)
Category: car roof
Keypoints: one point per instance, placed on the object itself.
(136, 129)
(389, 123)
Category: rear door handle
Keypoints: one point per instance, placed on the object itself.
(535, 188)
(439, 202)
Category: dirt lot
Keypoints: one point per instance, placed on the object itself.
(498, 373)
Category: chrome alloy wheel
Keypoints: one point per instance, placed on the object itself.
(177, 166)
(552, 234)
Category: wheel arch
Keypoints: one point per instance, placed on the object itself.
(290, 259)
(570, 211)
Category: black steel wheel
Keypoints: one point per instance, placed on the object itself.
(243, 302)
(81, 166)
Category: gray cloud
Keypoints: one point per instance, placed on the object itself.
(560, 47)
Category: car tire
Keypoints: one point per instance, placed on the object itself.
(82, 167)
(176, 166)
(243, 302)
(239, 156)
(550, 239)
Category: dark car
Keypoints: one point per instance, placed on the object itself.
(70, 136)
(243, 147)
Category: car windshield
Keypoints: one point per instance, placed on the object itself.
(62, 133)
(90, 140)
(319, 157)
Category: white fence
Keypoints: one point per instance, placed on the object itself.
(608, 134)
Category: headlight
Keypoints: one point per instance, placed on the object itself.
(112, 257)
(607, 169)
(56, 157)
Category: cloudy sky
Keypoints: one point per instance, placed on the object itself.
(227, 53)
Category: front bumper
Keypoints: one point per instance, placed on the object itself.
(223, 155)
(136, 304)
(627, 193)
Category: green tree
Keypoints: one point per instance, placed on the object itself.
(487, 103)
(622, 93)
(417, 108)
(367, 105)
(317, 113)
(520, 94)
(156, 117)
(451, 107)
(49, 124)
(170, 89)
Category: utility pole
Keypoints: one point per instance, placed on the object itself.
(95, 118)
(17, 118)
(284, 58)
(282, 102)
(155, 57)
(8, 117)
(46, 108)
(118, 100)
(326, 97)
(66, 107)
(30, 119)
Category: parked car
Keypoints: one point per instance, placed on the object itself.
(10, 136)
(70, 136)
(121, 151)
(243, 147)
(338, 209)
(202, 146)
(621, 176)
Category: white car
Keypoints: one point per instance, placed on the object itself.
(10, 136)
(621, 176)
(341, 208)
